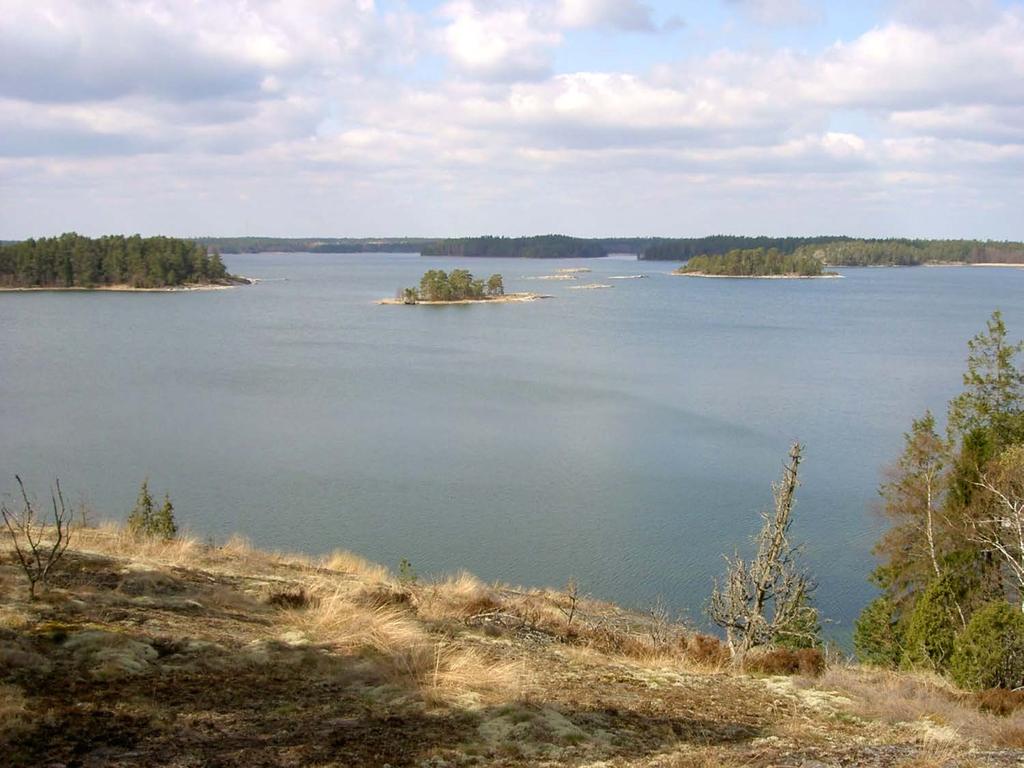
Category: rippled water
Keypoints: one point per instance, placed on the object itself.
(626, 436)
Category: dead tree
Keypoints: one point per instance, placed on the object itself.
(768, 597)
(572, 593)
(28, 533)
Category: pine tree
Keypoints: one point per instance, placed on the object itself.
(163, 524)
(140, 519)
(993, 398)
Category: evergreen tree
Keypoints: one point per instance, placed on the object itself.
(140, 519)
(993, 398)
(164, 525)
(877, 636)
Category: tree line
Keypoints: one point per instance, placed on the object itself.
(314, 244)
(682, 249)
(901, 252)
(438, 285)
(755, 262)
(832, 249)
(72, 260)
(539, 247)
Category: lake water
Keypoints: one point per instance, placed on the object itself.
(627, 437)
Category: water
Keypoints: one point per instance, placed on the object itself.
(627, 437)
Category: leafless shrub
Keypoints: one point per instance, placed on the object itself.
(660, 628)
(1000, 701)
(706, 650)
(28, 533)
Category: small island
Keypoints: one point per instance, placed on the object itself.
(459, 287)
(755, 263)
(72, 262)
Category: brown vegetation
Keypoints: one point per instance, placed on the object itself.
(175, 653)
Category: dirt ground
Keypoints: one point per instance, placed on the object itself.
(213, 657)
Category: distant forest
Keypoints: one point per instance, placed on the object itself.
(539, 247)
(754, 262)
(832, 249)
(899, 252)
(170, 265)
(315, 244)
(74, 261)
(681, 249)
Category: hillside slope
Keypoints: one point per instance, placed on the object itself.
(181, 654)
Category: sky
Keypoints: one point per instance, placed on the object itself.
(595, 118)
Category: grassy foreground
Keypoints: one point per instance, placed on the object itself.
(182, 654)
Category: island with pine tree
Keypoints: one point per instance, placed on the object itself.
(112, 263)
(458, 287)
(755, 263)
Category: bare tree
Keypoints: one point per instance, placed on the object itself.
(768, 597)
(1000, 528)
(28, 533)
(572, 592)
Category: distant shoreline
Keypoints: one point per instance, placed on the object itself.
(508, 298)
(757, 277)
(235, 283)
(978, 264)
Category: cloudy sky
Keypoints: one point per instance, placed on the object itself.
(460, 117)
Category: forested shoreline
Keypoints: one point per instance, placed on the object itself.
(909, 253)
(836, 250)
(754, 262)
(75, 261)
(170, 261)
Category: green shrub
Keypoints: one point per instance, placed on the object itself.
(877, 636)
(931, 632)
(990, 652)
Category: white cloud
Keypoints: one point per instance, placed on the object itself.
(319, 106)
(504, 42)
(780, 12)
(630, 15)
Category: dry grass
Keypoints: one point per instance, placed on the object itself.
(238, 546)
(113, 539)
(938, 756)
(236, 555)
(925, 699)
(400, 645)
(455, 598)
(336, 618)
(13, 714)
(705, 758)
(356, 566)
(440, 670)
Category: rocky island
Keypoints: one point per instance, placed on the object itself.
(458, 287)
(755, 263)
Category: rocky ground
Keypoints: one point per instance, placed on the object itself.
(187, 655)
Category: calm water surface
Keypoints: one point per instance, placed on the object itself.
(625, 436)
